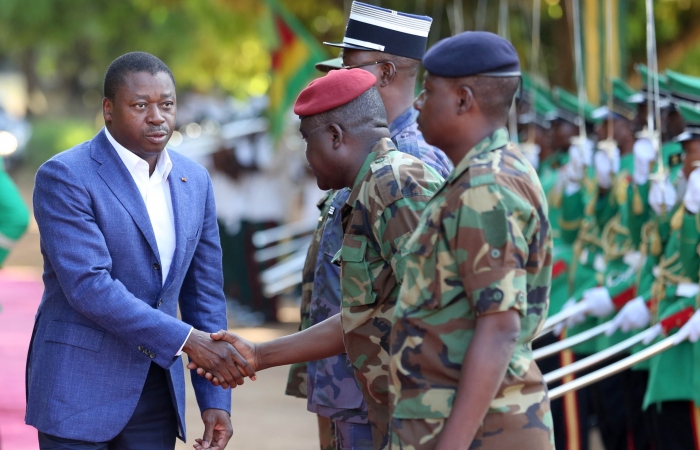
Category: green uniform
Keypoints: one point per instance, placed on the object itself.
(14, 215)
(386, 200)
(483, 246)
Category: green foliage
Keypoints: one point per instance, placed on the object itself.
(52, 136)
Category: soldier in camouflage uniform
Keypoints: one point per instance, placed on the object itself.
(348, 144)
(476, 287)
(330, 384)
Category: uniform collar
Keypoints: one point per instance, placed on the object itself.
(495, 140)
(131, 161)
(405, 120)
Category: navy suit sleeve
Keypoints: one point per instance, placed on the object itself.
(202, 301)
(74, 245)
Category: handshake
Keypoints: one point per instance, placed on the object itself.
(223, 358)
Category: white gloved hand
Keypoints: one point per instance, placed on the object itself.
(633, 316)
(606, 166)
(598, 302)
(656, 330)
(572, 321)
(573, 174)
(644, 155)
(691, 199)
(532, 153)
(689, 331)
(581, 151)
(662, 193)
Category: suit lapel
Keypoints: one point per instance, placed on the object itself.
(180, 196)
(122, 185)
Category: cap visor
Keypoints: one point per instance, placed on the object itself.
(684, 136)
(330, 64)
(350, 46)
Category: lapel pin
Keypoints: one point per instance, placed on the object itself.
(184, 179)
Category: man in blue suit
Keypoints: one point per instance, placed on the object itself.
(128, 233)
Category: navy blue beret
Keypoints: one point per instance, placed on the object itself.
(472, 53)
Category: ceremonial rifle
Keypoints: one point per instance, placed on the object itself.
(674, 321)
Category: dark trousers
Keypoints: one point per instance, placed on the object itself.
(675, 425)
(152, 426)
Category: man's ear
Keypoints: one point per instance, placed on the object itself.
(465, 99)
(336, 134)
(107, 109)
(387, 74)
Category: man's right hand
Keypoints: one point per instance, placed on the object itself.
(221, 360)
(242, 347)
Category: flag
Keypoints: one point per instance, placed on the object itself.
(294, 53)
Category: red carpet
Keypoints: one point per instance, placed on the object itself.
(20, 294)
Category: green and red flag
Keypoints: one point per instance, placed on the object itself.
(294, 53)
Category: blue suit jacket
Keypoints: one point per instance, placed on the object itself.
(105, 314)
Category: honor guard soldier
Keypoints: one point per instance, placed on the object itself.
(389, 45)
(476, 288)
(672, 392)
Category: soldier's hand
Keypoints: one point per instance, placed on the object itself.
(633, 316)
(243, 347)
(223, 361)
(689, 331)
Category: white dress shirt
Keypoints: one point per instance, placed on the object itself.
(155, 192)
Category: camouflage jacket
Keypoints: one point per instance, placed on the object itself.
(331, 387)
(483, 246)
(386, 200)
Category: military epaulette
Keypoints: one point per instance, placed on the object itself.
(387, 185)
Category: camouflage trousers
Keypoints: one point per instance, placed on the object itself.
(353, 436)
(498, 432)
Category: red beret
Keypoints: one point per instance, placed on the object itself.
(337, 88)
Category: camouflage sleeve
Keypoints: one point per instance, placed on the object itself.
(396, 224)
(493, 232)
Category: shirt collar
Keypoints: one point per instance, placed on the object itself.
(383, 146)
(406, 119)
(163, 164)
(495, 140)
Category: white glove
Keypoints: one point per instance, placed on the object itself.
(598, 302)
(633, 316)
(656, 331)
(644, 155)
(572, 173)
(581, 151)
(606, 166)
(532, 153)
(691, 199)
(662, 193)
(689, 331)
(572, 321)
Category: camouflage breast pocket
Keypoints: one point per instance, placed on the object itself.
(355, 277)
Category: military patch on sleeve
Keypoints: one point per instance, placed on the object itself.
(495, 225)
